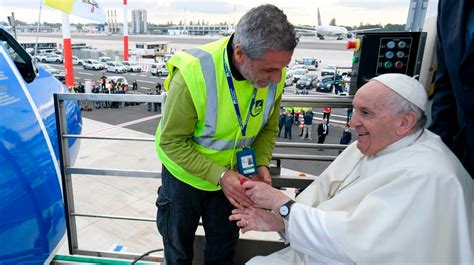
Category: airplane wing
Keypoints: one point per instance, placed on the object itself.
(363, 30)
(353, 33)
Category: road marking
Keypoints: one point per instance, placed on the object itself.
(144, 75)
(144, 81)
(146, 88)
(126, 124)
(332, 117)
(85, 73)
(76, 77)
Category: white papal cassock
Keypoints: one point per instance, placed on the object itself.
(411, 203)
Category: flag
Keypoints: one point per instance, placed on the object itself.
(89, 9)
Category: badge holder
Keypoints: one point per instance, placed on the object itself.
(246, 163)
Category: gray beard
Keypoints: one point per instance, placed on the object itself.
(246, 72)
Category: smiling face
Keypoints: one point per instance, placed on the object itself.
(375, 120)
(262, 71)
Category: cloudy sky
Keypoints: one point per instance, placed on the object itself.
(346, 12)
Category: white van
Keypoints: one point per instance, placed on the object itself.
(159, 69)
(104, 59)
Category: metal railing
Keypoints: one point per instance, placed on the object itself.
(67, 170)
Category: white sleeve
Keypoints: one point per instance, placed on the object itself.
(307, 233)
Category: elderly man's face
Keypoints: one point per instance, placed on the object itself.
(374, 119)
(262, 71)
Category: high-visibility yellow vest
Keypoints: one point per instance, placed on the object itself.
(217, 134)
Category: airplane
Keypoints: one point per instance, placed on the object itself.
(32, 215)
(322, 31)
(328, 30)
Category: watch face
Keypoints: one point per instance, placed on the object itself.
(284, 210)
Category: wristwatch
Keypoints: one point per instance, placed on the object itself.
(285, 209)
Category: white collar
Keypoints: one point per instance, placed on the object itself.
(402, 143)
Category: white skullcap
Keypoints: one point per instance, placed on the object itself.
(407, 87)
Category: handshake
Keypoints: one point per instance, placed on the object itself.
(257, 202)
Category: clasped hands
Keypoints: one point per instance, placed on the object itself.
(257, 203)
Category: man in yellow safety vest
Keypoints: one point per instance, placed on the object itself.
(219, 126)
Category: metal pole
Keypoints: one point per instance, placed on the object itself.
(68, 197)
(416, 15)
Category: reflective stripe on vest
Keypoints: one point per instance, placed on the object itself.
(210, 121)
(207, 63)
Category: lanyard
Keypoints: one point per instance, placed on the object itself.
(243, 127)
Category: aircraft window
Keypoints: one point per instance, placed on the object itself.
(15, 57)
(20, 57)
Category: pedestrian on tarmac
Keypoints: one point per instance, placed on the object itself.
(134, 85)
(103, 81)
(326, 114)
(346, 136)
(281, 121)
(289, 120)
(307, 124)
(220, 123)
(96, 90)
(323, 131)
(349, 114)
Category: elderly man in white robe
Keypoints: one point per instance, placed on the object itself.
(397, 195)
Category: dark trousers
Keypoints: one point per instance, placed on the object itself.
(179, 208)
(326, 116)
(288, 132)
(321, 139)
(279, 129)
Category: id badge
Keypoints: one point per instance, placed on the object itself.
(246, 162)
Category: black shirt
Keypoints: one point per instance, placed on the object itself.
(230, 50)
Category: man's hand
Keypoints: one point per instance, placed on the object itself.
(257, 219)
(263, 175)
(264, 195)
(233, 190)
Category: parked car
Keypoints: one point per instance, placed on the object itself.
(329, 69)
(116, 67)
(326, 84)
(76, 60)
(307, 82)
(298, 67)
(297, 74)
(159, 69)
(60, 75)
(289, 79)
(50, 58)
(117, 79)
(92, 65)
(104, 59)
(132, 67)
(309, 62)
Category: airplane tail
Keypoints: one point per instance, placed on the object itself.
(319, 18)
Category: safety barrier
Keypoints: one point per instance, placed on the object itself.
(245, 248)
